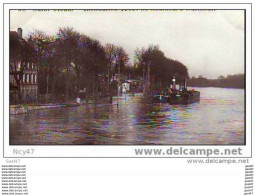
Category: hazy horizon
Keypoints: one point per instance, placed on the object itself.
(209, 43)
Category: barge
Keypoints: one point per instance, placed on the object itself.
(184, 97)
(177, 94)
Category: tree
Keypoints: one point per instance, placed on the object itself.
(67, 42)
(39, 40)
(97, 64)
(110, 51)
(117, 60)
(122, 60)
(81, 59)
(71, 55)
(54, 61)
(162, 69)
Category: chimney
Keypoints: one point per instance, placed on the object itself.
(19, 31)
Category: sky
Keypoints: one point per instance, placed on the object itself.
(208, 42)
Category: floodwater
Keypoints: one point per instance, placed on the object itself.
(218, 119)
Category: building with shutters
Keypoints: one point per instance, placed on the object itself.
(23, 70)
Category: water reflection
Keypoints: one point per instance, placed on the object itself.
(217, 119)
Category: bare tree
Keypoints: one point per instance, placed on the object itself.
(39, 40)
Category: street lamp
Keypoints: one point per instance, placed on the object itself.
(174, 82)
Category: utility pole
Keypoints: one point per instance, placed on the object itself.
(149, 72)
(109, 83)
(144, 78)
(118, 86)
(47, 79)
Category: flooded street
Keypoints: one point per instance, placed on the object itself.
(217, 119)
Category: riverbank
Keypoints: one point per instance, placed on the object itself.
(24, 108)
(231, 82)
(211, 86)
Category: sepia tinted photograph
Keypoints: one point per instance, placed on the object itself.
(127, 77)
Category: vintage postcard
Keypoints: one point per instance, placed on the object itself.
(127, 77)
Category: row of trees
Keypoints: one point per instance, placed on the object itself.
(71, 61)
(162, 69)
(230, 81)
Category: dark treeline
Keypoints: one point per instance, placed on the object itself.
(230, 81)
(161, 69)
(70, 62)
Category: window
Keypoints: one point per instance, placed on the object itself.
(27, 75)
(18, 67)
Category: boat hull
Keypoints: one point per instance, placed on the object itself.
(161, 99)
(185, 99)
(182, 98)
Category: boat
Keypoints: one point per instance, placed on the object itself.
(177, 94)
(184, 97)
(160, 97)
(181, 95)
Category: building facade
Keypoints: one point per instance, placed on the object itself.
(23, 70)
(29, 85)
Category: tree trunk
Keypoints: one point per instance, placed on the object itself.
(95, 82)
(110, 99)
(109, 85)
(78, 84)
(93, 88)
(109, 78)
(86, 93)
(19, 93)
(67, 83)
(96, 85)
(53, 84)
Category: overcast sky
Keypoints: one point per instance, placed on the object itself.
(209, 43)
